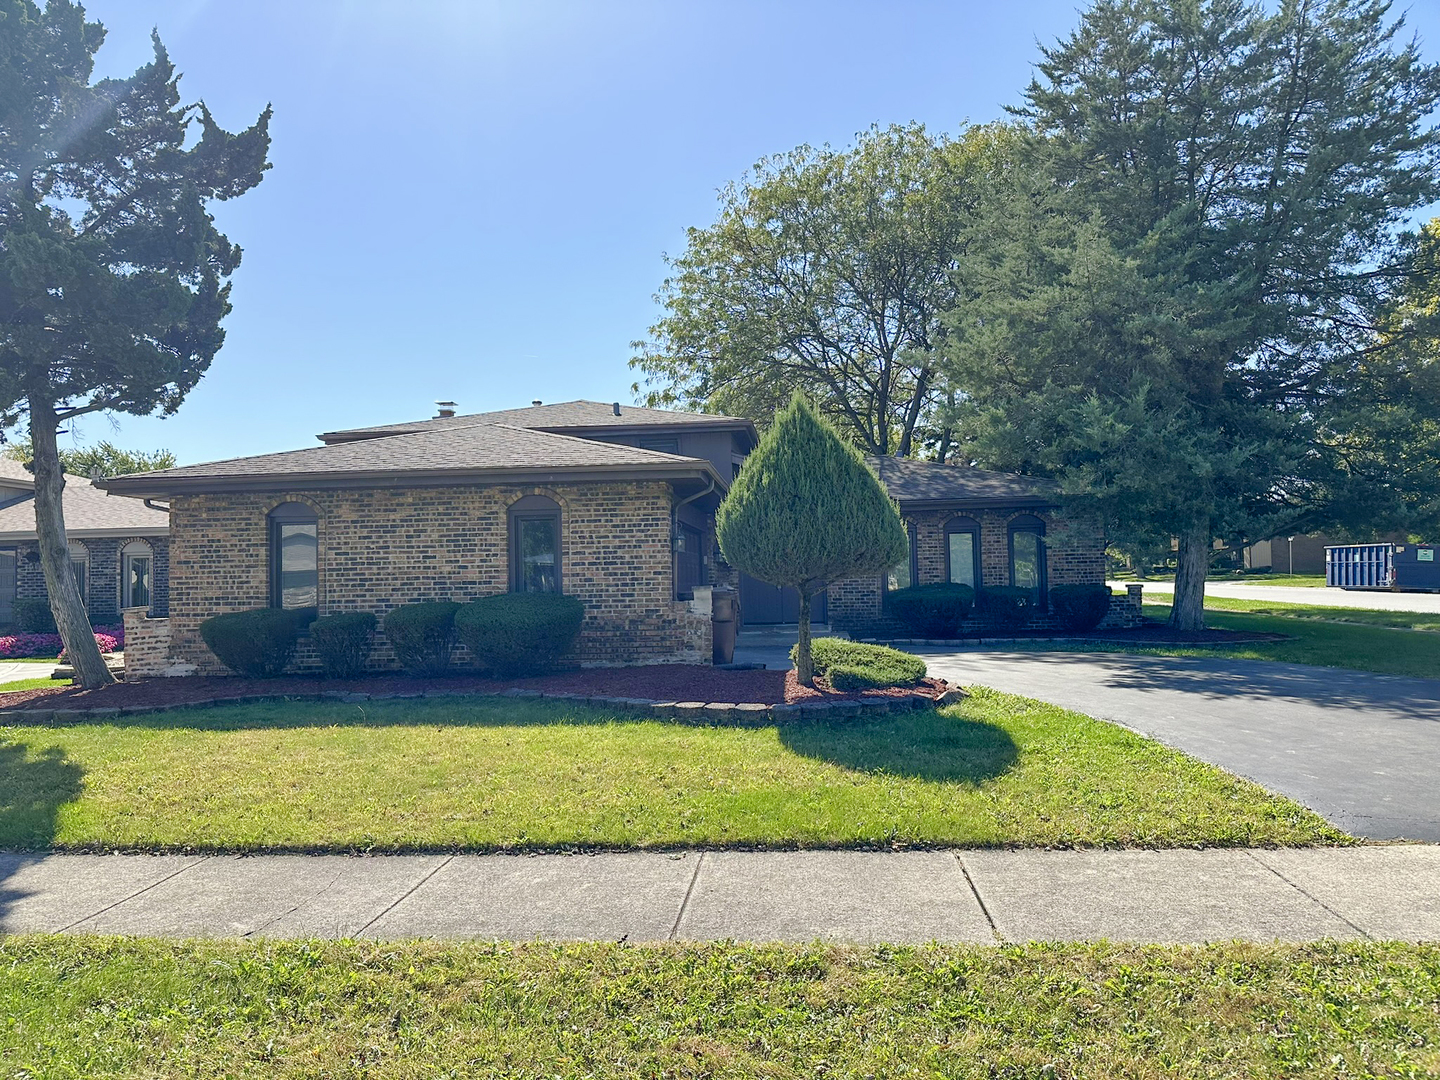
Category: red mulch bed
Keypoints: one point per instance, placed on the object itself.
(663, 682)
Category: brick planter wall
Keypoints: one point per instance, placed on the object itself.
(380, 548)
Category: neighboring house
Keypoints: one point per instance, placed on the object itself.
(119, 548)
(612, 504)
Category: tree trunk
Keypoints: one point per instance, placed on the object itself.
(65, 602)
(804, 665)
(1188, 612)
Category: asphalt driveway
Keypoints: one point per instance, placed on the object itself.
(1363, 750)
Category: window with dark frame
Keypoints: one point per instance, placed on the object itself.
(1027, 556)
(689, 565)
(294, 557)
(535, 545)
(902, 575)
(661, 444)
(962, 552)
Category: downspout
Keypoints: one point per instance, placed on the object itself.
(150, 503)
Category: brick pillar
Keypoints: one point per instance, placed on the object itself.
(1133, 592)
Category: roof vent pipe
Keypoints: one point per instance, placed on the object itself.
(537, 401)
(445, 410)
(616, 407)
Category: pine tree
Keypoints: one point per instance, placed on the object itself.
(806, 511)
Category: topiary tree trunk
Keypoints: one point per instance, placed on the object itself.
(806, 511)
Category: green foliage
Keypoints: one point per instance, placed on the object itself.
(1181, 294)
(859, 666)
(422, 636)
(343, 643)
(257, 643)
(520, 633)
(806, 510)
(1005, 606)
(102, 459)
(825, 273)
(932, 611)
(1080, 607)
(33, 616)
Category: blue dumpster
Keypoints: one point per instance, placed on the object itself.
(1407, 567)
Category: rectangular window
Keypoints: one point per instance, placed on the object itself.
(137, 581)
(1025, 560)
(297, 564)
(688, 565)
(902, 574)
(80, 567)
(962, 558)
(663, 445)
(8, 563)
(537, 553)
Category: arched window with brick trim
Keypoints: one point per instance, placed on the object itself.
(962, 551)
(137, 568)
(534, 528)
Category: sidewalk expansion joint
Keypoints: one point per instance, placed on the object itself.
(675, 929)
(406, 894)
(975, 892)
(138, 892)
(1309, 896)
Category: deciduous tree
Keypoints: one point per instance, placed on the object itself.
(113, 276)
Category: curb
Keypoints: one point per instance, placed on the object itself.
(693, 711)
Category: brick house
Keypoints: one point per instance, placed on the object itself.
(119, 548)
(613, 504)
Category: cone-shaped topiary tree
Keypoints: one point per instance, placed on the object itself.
(805, 511)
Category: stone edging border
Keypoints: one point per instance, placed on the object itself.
(707, 711)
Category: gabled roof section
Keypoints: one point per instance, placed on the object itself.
(88, 512)
(478, 452)
(15, 475)
(565, 417)
(913, 482)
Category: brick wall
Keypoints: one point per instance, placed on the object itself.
(1074, 554)
(383, 548)
(147, 647)
(103, 577)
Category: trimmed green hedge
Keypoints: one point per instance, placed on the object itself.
(257, 643)
(932, 611)
(1006, 606)
(859, 666)
(1080, 607)
(422, 636)
(520, 633)
(33, 616)
(343, 643)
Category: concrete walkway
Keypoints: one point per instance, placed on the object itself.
(1358, 748)
(969, 896)
(14, 671)
(1161, 591)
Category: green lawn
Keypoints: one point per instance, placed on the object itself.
(32, 684)
(1399, 620)
(1294, 581)
(86, 1007)
(487, 774)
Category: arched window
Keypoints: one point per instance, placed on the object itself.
(535, 545)
(294, 556)
(137, 565)
(80, 567)
(1027, 555)
(962, 551)
(902, 574)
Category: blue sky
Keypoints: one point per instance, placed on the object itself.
(471, 200)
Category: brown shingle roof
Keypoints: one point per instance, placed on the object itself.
(453, 453)
(560, 417)
(88, 512)
(910, 481)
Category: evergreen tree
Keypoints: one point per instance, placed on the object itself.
(1183, 291)
(805, 511)
(112, 272)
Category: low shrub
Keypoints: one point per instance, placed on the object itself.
(33, 616)
(1006, 606)
(20, 646)
(422, 636)
(343, 643)
(520, 633)
(1080, 607)
(932, 611)
(863, 667)
(256, 643)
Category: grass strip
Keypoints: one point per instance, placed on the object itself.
(111, 1007)
(483, 774)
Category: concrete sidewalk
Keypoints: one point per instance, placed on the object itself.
(974, 896)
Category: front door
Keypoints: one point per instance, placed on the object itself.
(762, 604)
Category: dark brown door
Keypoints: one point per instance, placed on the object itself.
(762, 604)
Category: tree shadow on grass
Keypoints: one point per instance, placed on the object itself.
(33, 788)
(921, 745)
